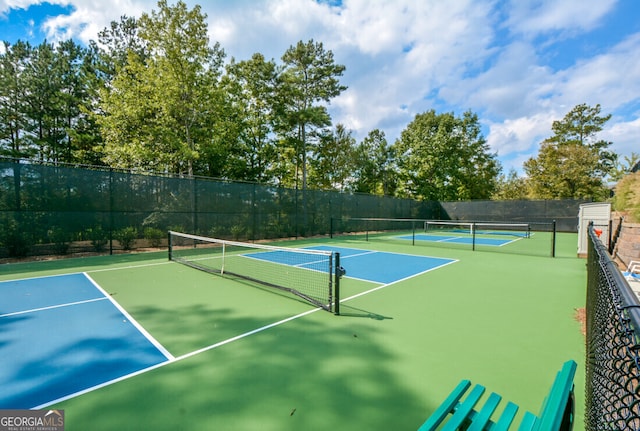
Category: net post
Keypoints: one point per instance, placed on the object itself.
(337, 273)
(413, 234)
(553, 240)
(169, 244)
(473, 236)
(224, 249)
(366, 230)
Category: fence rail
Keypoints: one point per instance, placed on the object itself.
(613, 345)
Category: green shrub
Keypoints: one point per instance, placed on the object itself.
(237, 231)
(126, 237)
(60, 239)
(215, 232)
(18, 243)
(98, 238)
(154, 235)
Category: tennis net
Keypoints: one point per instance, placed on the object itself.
(521, 230)
(312, 275)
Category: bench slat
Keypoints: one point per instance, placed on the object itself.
(446, 407)
(553, 408)
(482, 418)
(463, 409)
(506, 418)
(528, 422)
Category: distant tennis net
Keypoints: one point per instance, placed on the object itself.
(309, 274)
(520, 230)
(510, 237)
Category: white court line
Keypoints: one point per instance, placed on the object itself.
(89, 270)
(127, 267)
(508, 242)
(366, 292)
(450, 239)
(173, 360)
(275, 262)
(51, 307)
(37, 277)
(364, 253)
(179, 358)
(133, 321)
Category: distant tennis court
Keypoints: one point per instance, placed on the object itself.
(530, 238)
(459, 239)
(489, 234)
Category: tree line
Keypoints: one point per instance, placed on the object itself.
(153, 94)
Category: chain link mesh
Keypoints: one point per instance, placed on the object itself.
(613, 335)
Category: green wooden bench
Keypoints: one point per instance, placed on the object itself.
(556, 412)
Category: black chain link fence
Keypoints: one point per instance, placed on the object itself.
(613, 345)
(49, 209)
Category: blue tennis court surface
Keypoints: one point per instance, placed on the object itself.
(458, 239)
(62, 335)
(375, 266)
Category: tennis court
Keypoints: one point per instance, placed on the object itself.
(140, 342)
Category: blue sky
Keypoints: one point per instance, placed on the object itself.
(518, 64)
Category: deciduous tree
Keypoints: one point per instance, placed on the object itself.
(332, 166)
(444, 157)
(375, 171)
(510, 187)
(162, 110)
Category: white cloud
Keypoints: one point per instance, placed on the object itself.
(611, 79)
(398, 53)
(514, 85)
(520, 134)
(531, 17)
(5, 5)
(91, 17)
(375, 28)
(625, 137)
